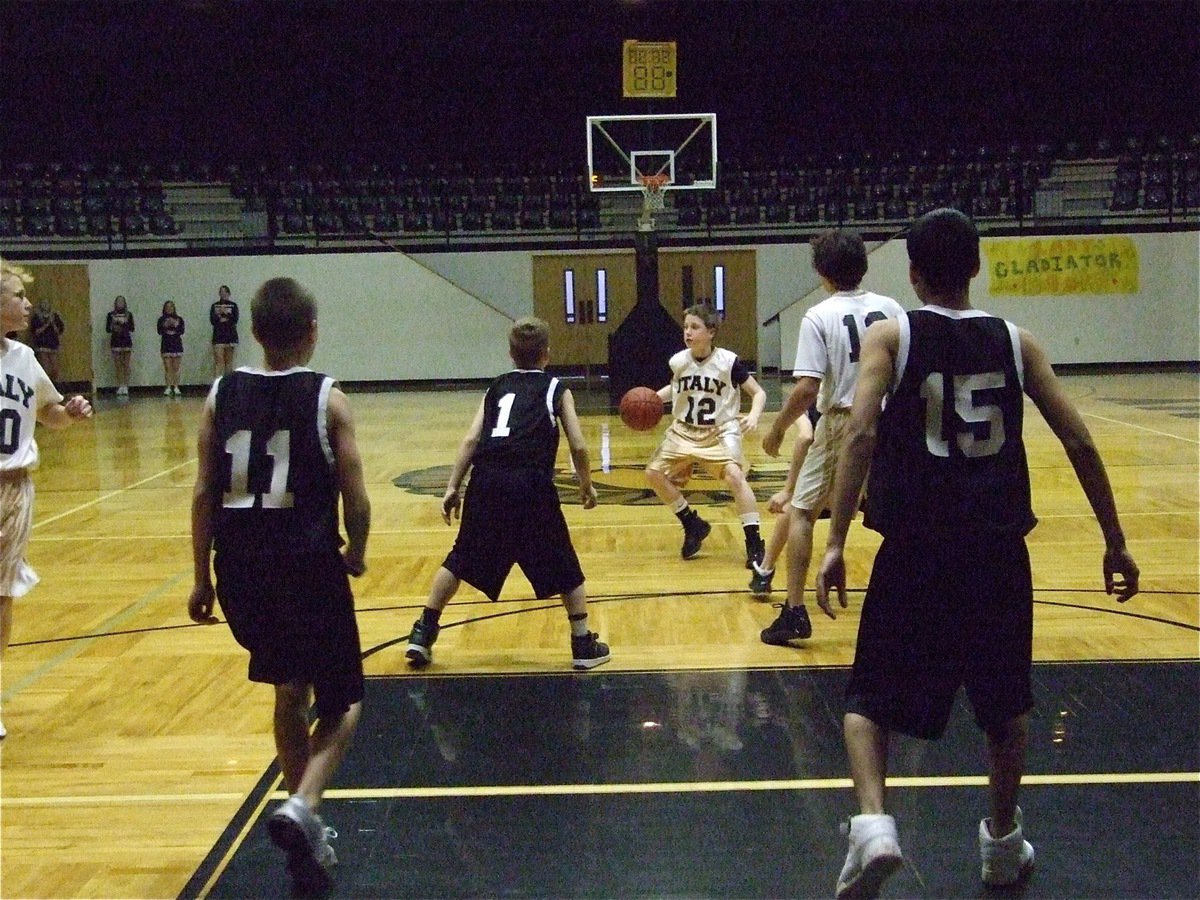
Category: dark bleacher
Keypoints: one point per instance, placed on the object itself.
(359, 201)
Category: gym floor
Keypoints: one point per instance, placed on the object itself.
(730, 784)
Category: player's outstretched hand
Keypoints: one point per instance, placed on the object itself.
(355, 564)
(772, 442)
(779, 502)
(78, 407)
(748, 423)
(450, 505)
(831, 575)
(1118, 562)
(200, 605)
(588, 497)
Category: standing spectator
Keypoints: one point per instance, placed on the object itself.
(950, 599)
(223, 315)
(46, 327)
(170, 327)
(119, 326)
(34, 399)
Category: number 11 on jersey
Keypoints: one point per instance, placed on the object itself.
(239, 496)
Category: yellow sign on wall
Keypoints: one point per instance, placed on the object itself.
(1062, 265)
(648, 68)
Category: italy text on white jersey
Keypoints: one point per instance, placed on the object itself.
(831, 338)
(24, 389)
(704, 392)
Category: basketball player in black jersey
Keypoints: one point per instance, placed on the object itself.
(277, 449)
(950, 600)
(511, 513)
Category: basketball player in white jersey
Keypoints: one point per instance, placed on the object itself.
(27, 396)
(826, 368)
(707, 430)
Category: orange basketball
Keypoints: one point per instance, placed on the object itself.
(641, 408)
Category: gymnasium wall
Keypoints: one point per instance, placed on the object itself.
(444, 316)
(382, 316)
(1152, 314)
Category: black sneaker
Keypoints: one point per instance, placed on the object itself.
(755, 551)
(695, 530)
(587, 651)
(792, 625)
(760, 581)
(420, 643)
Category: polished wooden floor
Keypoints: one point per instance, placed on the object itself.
(134, 736)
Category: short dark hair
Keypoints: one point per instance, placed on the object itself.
(705, 313)
(528, 339)
(841, 256)
(943, 247)
(282, 313)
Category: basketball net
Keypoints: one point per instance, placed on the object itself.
(654, 200)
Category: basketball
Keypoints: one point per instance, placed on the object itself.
(641, 408)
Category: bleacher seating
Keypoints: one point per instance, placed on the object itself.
(122, 201)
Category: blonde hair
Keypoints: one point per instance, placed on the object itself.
(527, 341)
(8, 270)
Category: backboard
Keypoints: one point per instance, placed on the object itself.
(681, 146)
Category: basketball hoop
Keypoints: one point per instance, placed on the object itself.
(654, 200)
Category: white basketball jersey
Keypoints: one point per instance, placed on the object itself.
(24, 389)
(831, 338)
(703, 392)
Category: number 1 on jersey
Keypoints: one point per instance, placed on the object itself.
(505, 405)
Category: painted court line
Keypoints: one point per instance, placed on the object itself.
(670, 787)
(1141, 428)
(110, 624)
(686, 787)
(110, 495)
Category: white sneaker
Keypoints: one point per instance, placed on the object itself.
(1005, 860)
(300, 833)
(3, 731)
(122, 391)
(873, 856)
(178, 393)
(167, 391)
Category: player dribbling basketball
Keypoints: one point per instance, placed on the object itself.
(707, 430)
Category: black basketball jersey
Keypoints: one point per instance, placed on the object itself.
(223, 315)
(950, 455)
(279, 493)
(520, 421)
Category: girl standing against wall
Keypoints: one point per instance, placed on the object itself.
(170, 327)
(119, 325)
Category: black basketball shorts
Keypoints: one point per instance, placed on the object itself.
(941, 613)
(296, 617)
(514, 516)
